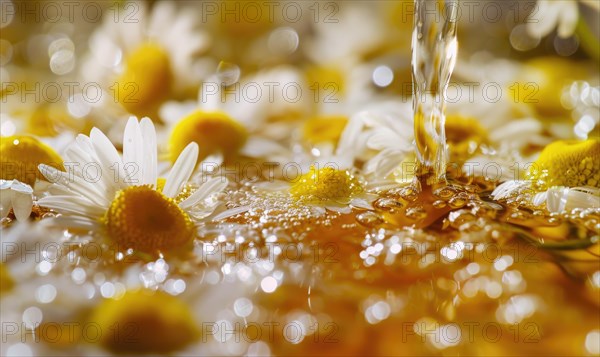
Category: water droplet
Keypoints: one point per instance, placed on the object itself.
(457, 201)
(228, 73)
(439, 204)
(408, 193)
(388, 204)
(416, 213)
(445, 192)
(369, 219)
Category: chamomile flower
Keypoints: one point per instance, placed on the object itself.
(147, 55)
(387, 133)
(20, 156)
(162, 322)
(124, 195)
(358, 30)
(318, 141)
(250, 118)
(565, 176)
(560, 199)
(325, 188)
(554, 14)
(17, 196)
(336, 190)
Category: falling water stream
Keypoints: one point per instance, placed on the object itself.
(434, 49)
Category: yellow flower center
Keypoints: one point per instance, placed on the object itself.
(568, 163)
(325, 184)
(324, 129)
(328, 83)
(144, 219)
(42, 121)
(542, 81)
(464, 135)
(146, 80)
(20, 156)
(214, 132)
(6, 281)
(241, 20)
(145, 322)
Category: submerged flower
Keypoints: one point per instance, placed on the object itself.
(124, 195)
(145, 322)
(17, 196)
(332, 188)
(326, 184)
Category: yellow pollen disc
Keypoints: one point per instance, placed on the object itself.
(42, 121)
(146, 80)
(20, 156)
(160, 183)
(214, 132)
(568, 163)
(6, 281)
(328, 82)
(144, 219)
(324, 129)
(325, 184)
(542, 81)
(145, 322)
(244, 21)
(464, 135)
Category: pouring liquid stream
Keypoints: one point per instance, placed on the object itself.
(434, 51)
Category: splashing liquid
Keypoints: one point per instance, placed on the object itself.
(434, 49)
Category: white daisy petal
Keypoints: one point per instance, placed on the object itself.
(231, 212)
(74, 183)
(213, 186)
(361, 203)
(21, 187)
(22, 202)
(560, 199)
(109, 158)
(350, 134)
(339, 208)
(556, 199)
(273, 186)
(317, 210)
(540, 198)
(505, 189)
(133, 151)
(73, 221)
(78, 158)
(5, 200)
(260, 147)
(182, 170)
(150, 152)
(584, 197)
(72, 204)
